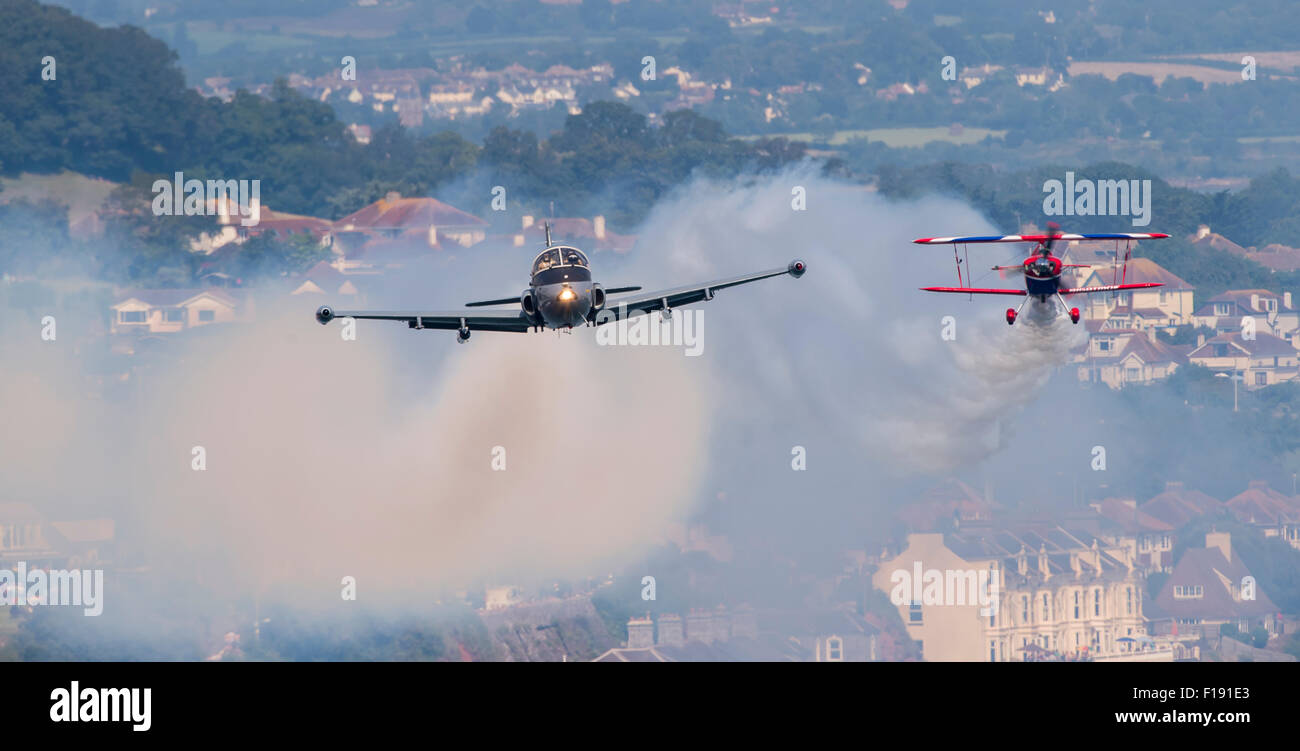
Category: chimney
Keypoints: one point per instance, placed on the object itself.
(1042, 563)
(1022, 562)
(640, 632)
(1096, 557)
(1151, 334)
(1254, 301)
(392, 196)
(1286, 300)
(1202, 231)
(599, 225)
(1222, 541)
(744, 624)
(670, 630)
(527, 221)
(699, 626)
(721, 624)
(433, 236)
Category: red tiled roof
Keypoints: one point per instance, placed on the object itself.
(1263, 345)
(407, 213)
(1139, 271)
(1260, 504)
(1178, 505)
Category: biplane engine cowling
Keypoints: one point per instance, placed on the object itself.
(528, 302)
(597, 297)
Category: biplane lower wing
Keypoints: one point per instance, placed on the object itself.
(1110, 288)
(976, 290)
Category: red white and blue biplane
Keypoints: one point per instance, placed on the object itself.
(1042, 270)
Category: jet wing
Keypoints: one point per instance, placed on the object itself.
(491, 320)
(623, 307)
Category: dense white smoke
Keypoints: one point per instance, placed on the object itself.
(374, 458)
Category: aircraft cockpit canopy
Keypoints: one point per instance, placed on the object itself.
(562, 256)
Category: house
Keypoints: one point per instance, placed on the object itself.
(1211, 587)
(1268, 312)
(589, 234)
(1274, 256)
(497, 598)
(1261, 359)
(1161, 307)
(394, 216)
(26, 535)
(1121, 356)
(156, 311)
(86, 542)
(716, 635)
(23, 535)
(1276, 514)
(1178, 505)
(285, 225)
(1058, 591)
(1206, 237)
(950, 502)
(1152, 538)
(324, 279)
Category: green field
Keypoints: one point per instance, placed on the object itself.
(81, 194)
(893, 137)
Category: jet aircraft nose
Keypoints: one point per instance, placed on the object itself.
(567, 304)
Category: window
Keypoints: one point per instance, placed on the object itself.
(207, 316)
(914, 613)
(1261, 379)
(1047, 614)
(546, 260)
(1128, 599)
(174, 315)
(1096, 602)
(573, 257)
(993, 651)
(1024, 606)
(1132, 374)
(130, 316)
(835, 649)
(1103, 345)
(1222, 308)
(1188, 592)
(1076, 606)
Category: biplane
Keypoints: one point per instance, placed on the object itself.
(1042, 270)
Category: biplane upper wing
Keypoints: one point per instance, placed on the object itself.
(1038, 238)
(1109, 288)
(976, 290)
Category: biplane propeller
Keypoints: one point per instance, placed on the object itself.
(1042, 270)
